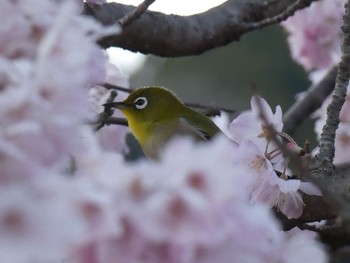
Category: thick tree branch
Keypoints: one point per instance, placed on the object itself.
(311, 101)
(174, 36)
(317, 208)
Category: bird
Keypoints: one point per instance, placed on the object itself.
(155, 115)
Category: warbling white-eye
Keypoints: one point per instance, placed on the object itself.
(155, 115)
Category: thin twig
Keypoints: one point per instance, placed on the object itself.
(107, 113)
(276, 19)
(115, 87)
(324, 160)
(118, 121)
(135, 14)
(213, 109)
(311, 101)
(109, 121)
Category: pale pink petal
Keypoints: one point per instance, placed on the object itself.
(303, 242)
(309, 188)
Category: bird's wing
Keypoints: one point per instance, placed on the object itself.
(188, 127)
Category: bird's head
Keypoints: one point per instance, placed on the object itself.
(149, 104)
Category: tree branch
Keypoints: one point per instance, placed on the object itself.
(115, 87)
(174, 36)
(319, 208)
(312, 100)
(210, 110)
(324, 160)
(290, 10)
(117, 121)
(135, 14)
(107, 113)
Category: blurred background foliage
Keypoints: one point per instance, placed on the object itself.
(223, 76)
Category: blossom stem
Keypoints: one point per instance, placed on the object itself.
(283, 175)
(276, 152)
(286, 136)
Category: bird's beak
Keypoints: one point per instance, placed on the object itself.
(118, 105)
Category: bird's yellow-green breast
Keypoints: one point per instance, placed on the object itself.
(155, 115)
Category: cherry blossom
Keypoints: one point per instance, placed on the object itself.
(253, 150)
(188, 207)
(315, 34)
(297, 240)
(39, 103)
(68, 195)
(250, 126)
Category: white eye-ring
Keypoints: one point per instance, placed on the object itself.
(140, 103)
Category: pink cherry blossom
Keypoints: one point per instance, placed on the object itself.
(65, 198)
(263, 159)
(249, 125)
(39, 103)
(268, 187)
(297, 240)
(31, 225)
(188, 207)
(223, 122)
(315, 34)
(166, 206)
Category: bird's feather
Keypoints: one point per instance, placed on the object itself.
(195, 130)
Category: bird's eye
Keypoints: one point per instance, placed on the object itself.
(140, 103)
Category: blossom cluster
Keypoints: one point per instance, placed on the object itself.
(315, 34)
(44, 80)
(43, 84)
(68, 195)
(265, 160)
(188, 207)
